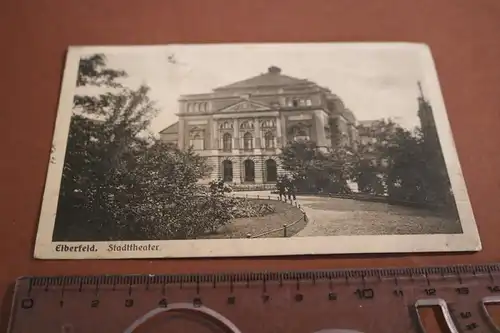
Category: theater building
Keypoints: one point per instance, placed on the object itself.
(241, 127)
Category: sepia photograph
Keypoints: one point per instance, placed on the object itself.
(223, 150)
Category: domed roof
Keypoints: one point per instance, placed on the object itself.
(272, 78)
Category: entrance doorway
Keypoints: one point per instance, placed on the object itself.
(271, 171)
(227, 171)
(249, 171)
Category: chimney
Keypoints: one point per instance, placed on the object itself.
(274, 70)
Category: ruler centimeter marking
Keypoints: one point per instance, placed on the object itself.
(364, 300)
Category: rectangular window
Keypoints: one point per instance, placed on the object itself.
(227, 142)
(248, 144)
(197, 144)
(227, 146)
(247, 141)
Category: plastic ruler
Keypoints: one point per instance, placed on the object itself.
(371, 300)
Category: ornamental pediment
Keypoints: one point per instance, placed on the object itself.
(246, 105)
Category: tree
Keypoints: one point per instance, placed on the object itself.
(315, 169)
(406, 173)
(118, 182)
(300, 160)
(402, 164)
(341, 165)
(372, 156)
(390, 162)
(164, 200)
(104, 134)
(83, 151)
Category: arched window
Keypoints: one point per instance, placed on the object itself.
(226, 125)
(271, 171)
(227, 142)
(247, 141)
(269, 140)
(227, 171)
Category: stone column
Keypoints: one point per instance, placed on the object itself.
(236, 135)
(214, 137)
(209, 135)
(280, 129)
(258, 136)
(181, 134)
(259, 170)
(319, 128)
(237, 168)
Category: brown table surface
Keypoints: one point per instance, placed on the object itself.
(464, 36)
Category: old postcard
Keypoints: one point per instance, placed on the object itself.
(252, 150)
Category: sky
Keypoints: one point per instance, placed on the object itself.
(373, 81)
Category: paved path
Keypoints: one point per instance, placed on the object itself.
(333, 217)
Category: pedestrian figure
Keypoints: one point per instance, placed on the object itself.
(281, 189)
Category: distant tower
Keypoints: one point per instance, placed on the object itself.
(438, 183)
(427, 122)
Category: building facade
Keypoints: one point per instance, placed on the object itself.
(242, 127)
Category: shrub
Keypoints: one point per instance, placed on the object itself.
(250, 208)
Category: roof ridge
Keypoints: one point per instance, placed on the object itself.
(168, 127)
